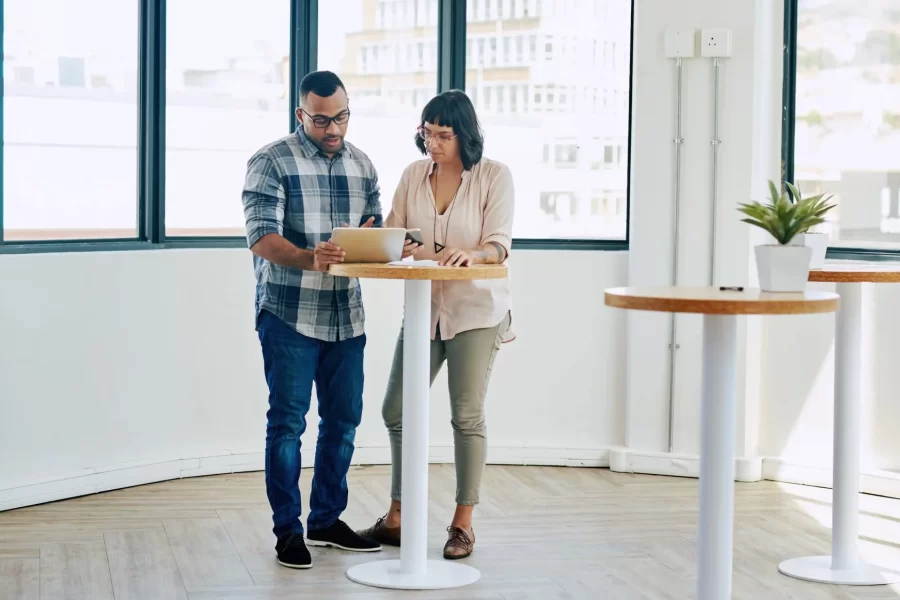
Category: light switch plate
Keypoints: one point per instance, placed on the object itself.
(715, 42)
(680, 43)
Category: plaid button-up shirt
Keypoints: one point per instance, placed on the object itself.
(294, 190)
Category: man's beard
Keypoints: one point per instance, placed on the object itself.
(321, 144)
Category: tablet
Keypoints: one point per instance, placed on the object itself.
(370, 244)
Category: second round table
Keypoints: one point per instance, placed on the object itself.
(843, 567)
(720, 309)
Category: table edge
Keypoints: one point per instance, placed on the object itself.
(722, 307)
(826, 276)
(414, 272)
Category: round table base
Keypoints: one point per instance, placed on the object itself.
(818, 569)
(439, 575)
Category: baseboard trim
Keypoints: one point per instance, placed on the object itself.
(876, 482)
(94, 481)
(624, 460)
(618, 459)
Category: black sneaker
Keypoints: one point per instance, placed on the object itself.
(339, 535)
(292, 552)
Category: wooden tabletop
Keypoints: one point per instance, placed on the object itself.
(433, 273)
(712, 301)
(857, 272)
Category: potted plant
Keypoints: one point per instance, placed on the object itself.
(784, 266)
(817, 240)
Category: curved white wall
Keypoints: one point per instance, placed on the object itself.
(125, 368)
(798, 412)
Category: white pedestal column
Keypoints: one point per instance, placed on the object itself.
(716, 527)
(843, 566)
(414, 571)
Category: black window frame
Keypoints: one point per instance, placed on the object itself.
(151, 122)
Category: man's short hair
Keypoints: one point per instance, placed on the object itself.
(320, 83)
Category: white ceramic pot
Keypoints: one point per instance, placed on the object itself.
(819, 244)
(783, 268)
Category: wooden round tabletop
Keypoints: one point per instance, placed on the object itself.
(857, 272)
(433, 273)
(713, 301)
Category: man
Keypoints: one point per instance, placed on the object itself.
(310, 323)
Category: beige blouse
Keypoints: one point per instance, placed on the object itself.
(481, 212)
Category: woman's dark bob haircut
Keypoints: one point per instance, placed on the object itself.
(454, 109)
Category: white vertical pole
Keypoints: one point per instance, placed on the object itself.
(679, 142)
(847, 426)
(716, 526)
(416, 384)
(413, 571)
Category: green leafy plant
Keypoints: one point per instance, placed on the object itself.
(788, 213)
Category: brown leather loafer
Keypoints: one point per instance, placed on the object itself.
(381, 533)
(459, 545)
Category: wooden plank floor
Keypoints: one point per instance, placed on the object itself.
(542, 533)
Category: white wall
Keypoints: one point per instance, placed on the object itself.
(149, 360)
(786, 364)
(797, 414)
(653, 201)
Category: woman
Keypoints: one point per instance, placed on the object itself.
(463, 204)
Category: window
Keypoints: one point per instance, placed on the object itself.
(551, 90)
(567, 155)
(537, 121)
(225, 98)
(71, 71)
(847, 111)
(70, 120)
(385, 107)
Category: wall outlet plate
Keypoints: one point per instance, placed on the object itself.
(680, 43)
(715, 42)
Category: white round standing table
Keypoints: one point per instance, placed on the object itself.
(843, 567)
(414, 571)
(719, 403)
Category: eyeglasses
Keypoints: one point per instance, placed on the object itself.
(322, 122)
(427, 136)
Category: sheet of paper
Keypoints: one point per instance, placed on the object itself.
(415, 263)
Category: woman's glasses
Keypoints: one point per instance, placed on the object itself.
(440, 138)
(322, 122)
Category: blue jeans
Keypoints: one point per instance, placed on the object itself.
(292, 363)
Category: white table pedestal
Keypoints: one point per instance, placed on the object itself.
(843, 566)
(414, 571)
(716, 527)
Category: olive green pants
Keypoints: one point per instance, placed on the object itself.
(470, 358)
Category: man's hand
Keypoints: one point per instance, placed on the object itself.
(458, 258)
(410, 248)
(326, 254)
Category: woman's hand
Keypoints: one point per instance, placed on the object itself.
(410, 248)
(458, 258)
(368, 223)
